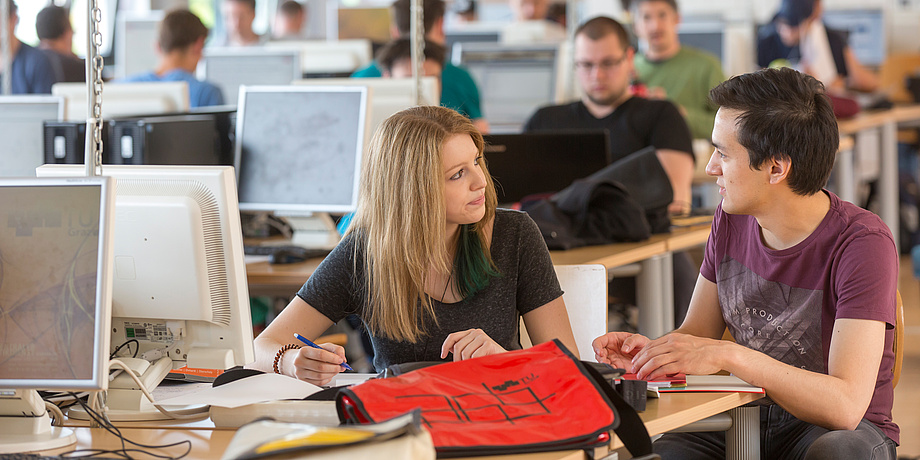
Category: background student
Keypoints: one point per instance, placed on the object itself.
(55, 35)
(799, 37)
(670, 70)
(458, 89)
(804, 281)
(32, 72)
(289, 21)
(180, 43)
(238, 17)
(438, 274)
(604, 66)
(395, 59)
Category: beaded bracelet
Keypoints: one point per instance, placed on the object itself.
(290, 346)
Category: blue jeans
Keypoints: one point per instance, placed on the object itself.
(783, 436)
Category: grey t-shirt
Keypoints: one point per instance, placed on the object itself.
(527, 281)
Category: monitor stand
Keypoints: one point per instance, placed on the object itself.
(125, 402)
(313, 231)
(27, 426)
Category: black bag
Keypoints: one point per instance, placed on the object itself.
(644, 178)
(588, 212)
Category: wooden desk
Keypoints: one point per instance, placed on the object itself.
(667, 413)
(279, 280)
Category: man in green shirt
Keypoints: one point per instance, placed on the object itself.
(681, 74)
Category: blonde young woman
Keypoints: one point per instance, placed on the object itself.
(434, 270)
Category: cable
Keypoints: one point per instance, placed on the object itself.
(143, 389)
(57, 414)
(118, 348)
(124, 451)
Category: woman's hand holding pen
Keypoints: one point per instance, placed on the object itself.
(471, 343)
(318, 365)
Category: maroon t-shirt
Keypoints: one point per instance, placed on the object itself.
(784, 302)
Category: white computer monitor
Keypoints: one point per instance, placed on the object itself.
(386, 96)
(179, 285)
(125, 99)
(136, 36)
(231, 68)
(514, 80)
(328, 58)
(299, 152)
(22, 130)
(55, 300)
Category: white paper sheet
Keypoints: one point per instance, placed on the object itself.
(249, 390)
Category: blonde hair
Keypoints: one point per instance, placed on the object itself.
(400, 220)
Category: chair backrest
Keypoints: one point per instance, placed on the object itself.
(898, 344)
(585, 296)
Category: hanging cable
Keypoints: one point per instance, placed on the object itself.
(94, 65)
(417, 42)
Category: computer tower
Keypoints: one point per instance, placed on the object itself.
(65, 141)
(169, 140)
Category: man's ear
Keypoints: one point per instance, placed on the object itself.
(779, 169)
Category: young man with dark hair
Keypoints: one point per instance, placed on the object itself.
(55, 36)
(32, 72)
(679, 73)
(804, 282)
(180, 43)
(604, 66)
(238, 16)
(289, 21)
(458, 89)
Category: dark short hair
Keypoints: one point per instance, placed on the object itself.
(401, 48)
(602, 26)
(785, 114)
(433, 10)
(291, 8)
(672, 3)
(179, 30)
(52, 22)
(250, 3)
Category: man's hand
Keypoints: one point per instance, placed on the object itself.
(679, 353)
(618, 348)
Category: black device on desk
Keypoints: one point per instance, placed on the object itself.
(285, 254)
(65, 141)
(544, 162)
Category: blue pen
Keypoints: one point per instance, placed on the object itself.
(309, 343)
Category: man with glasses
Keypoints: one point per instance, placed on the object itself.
(604, 65)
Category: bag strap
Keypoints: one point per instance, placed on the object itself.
(630, 429)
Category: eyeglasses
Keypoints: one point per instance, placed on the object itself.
(606, 65)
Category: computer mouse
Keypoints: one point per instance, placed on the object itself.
(287, 256)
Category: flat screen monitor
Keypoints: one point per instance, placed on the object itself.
(536, 163)
(866, 28)
(231, 68)
(179, 286)
(704, 34)
(299, 149)
(386, 96)
(320, 58)
(22, 132)
(473, 32)
(514, 80)
(136, 38)
(125, 99)
(55, 300)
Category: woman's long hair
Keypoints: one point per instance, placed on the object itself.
(400, 221)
